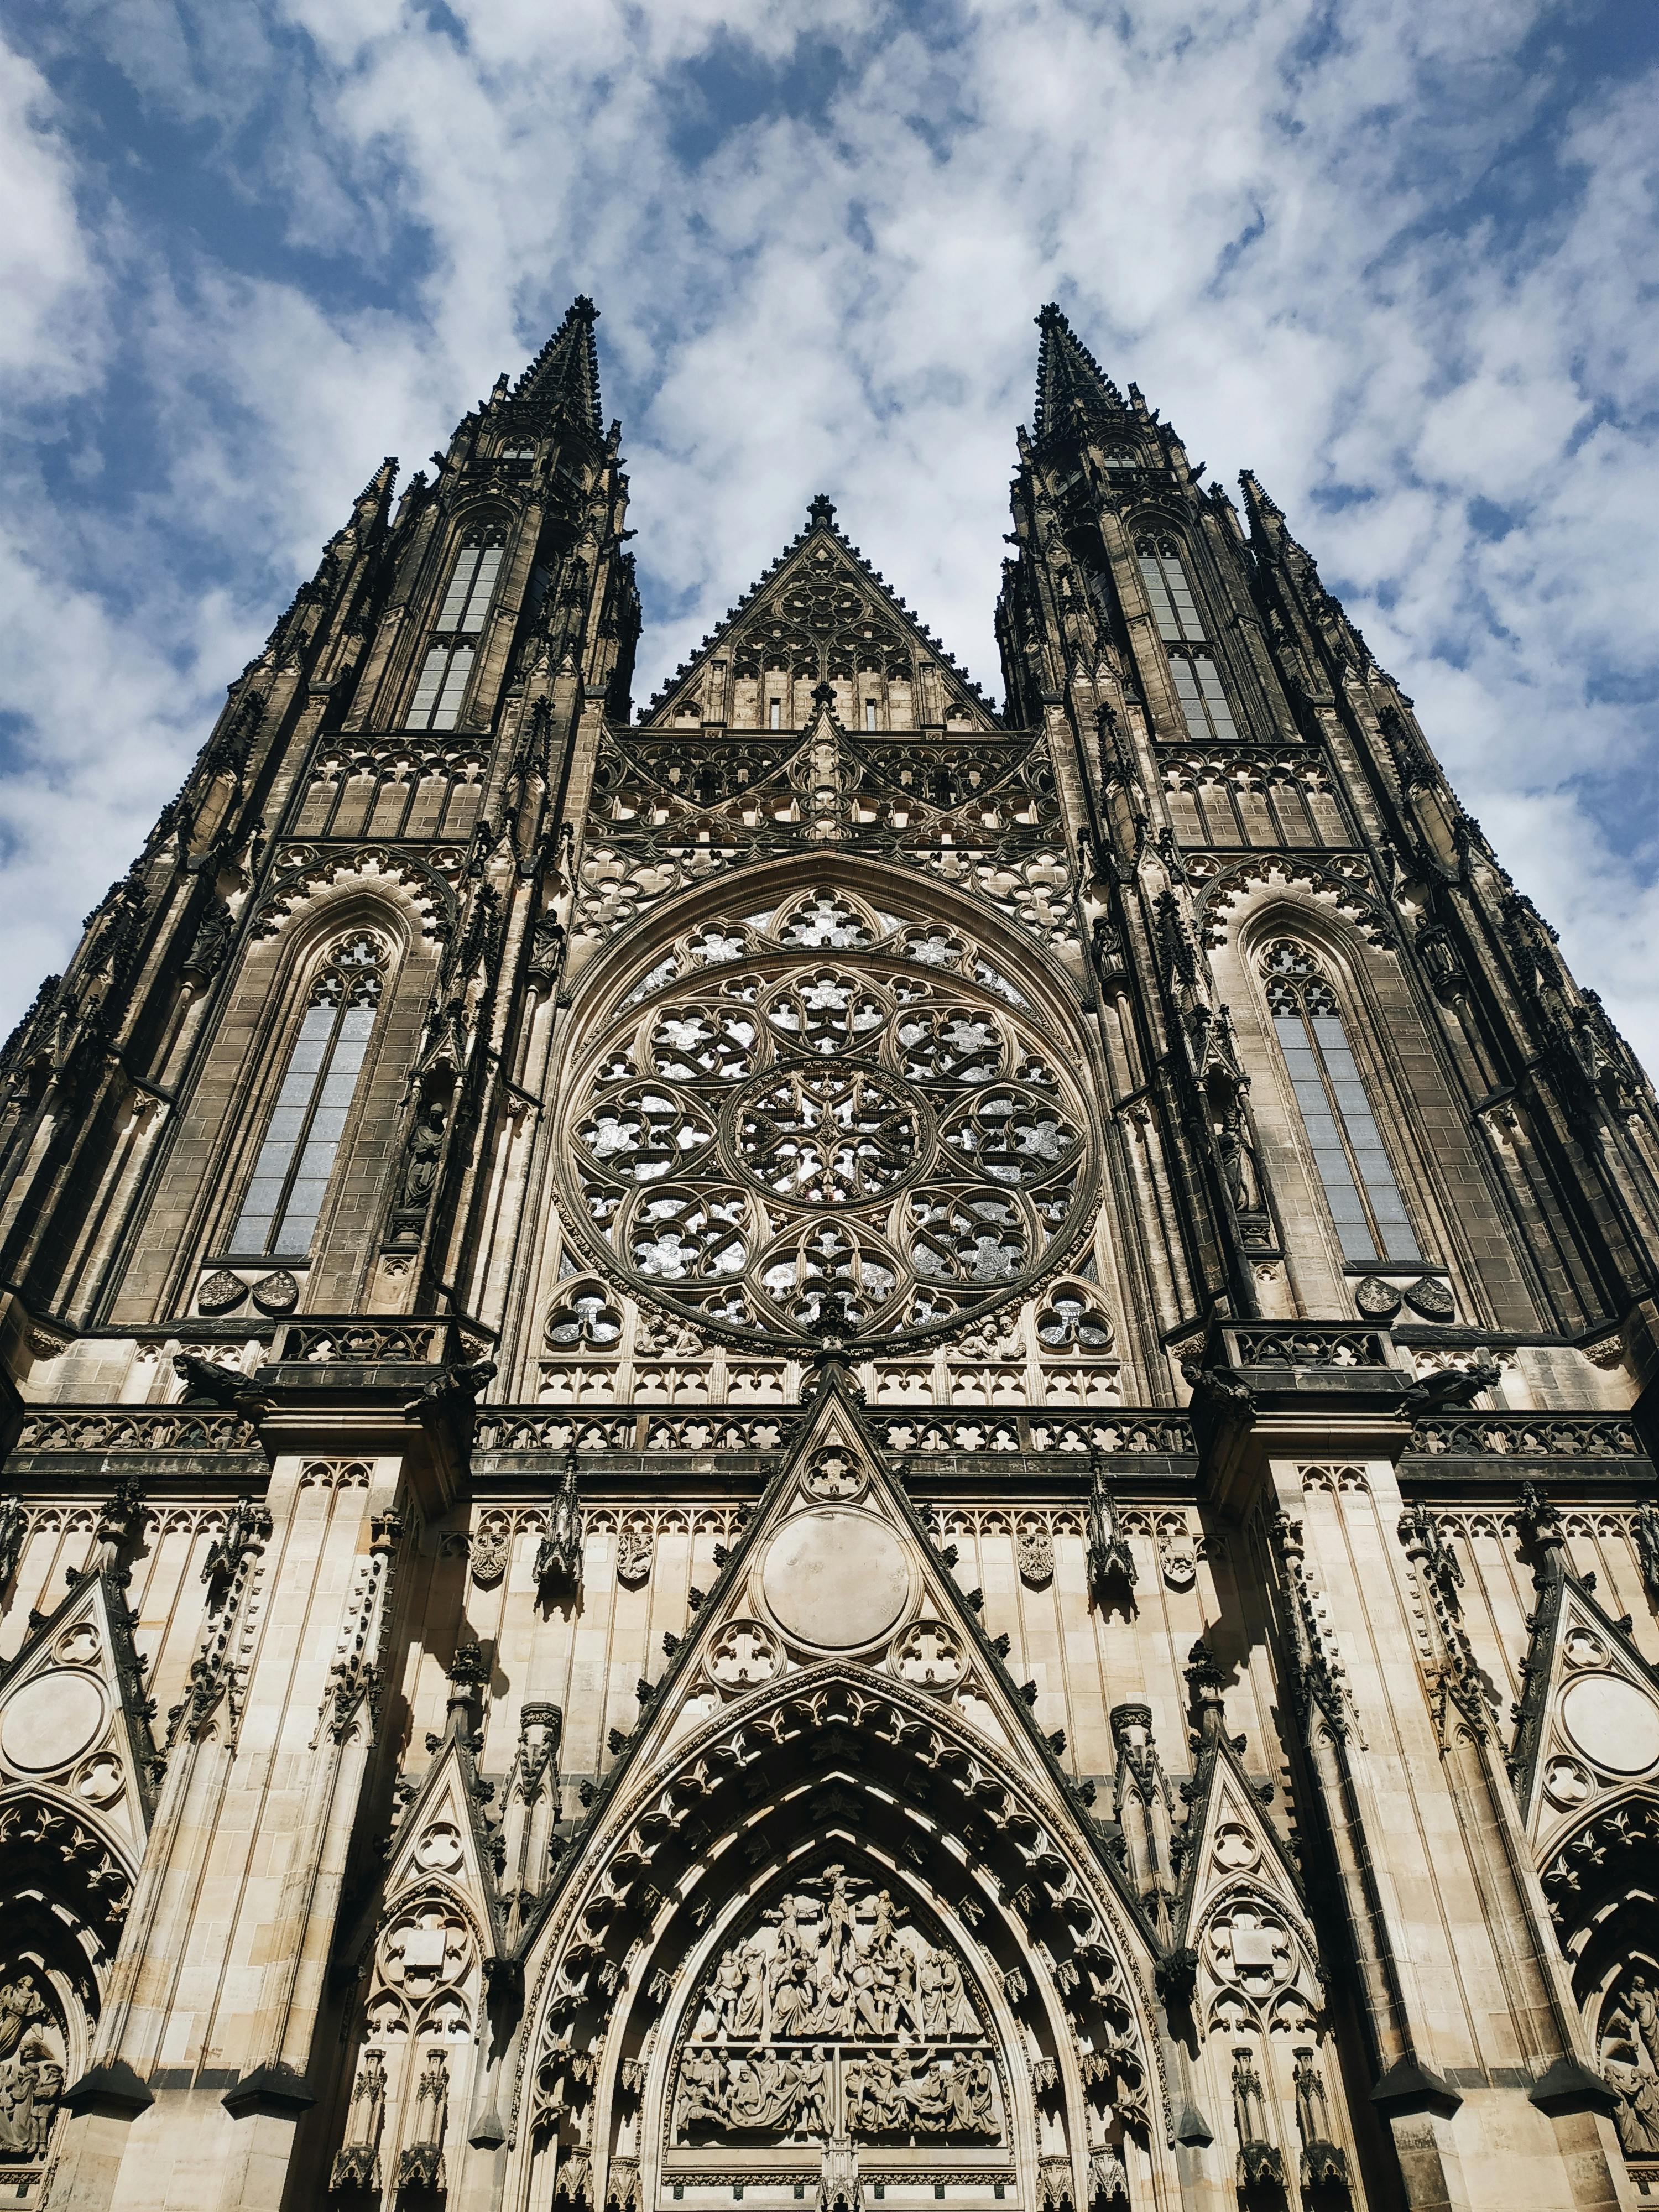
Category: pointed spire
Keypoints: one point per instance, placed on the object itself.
(379, 487)
(1068, 376)
(1263, 514)
(566, 372)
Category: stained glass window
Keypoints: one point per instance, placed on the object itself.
(1364, 1201)
(296, 1161)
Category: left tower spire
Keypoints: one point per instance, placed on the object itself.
(565, 373)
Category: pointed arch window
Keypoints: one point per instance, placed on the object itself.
(296, 1161)
(1364, 1201)
(1199, 690)
(447, 667)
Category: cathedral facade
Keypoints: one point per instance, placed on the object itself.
(817, 1445)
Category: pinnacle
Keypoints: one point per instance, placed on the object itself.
(566, 372)
(1068, 375)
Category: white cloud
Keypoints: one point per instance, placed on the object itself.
(1302, 230)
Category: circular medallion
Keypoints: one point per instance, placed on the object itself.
(1613, 1723)
(835, 1579)
(51, 1721)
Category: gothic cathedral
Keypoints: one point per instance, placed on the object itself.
(817, 1446)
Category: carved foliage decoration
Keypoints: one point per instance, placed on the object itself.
(821, 1130)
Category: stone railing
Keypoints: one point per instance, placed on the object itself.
(62, 1428)
(1526, 1436)
(1303, 1344)
(324, 1339)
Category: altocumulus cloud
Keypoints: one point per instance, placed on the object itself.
(1399, 257)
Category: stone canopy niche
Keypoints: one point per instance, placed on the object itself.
(837, 2013)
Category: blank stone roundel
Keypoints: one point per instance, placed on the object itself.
(1613, 1723)
(51, 1721)
(835, 1579)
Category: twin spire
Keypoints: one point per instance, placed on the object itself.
(566, 372)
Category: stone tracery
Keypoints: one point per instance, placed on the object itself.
(790, 1147)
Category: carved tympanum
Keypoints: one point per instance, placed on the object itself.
(837, 2015)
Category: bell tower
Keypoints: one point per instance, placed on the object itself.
(824, 1442)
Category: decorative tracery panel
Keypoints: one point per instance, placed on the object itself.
(826, 1119)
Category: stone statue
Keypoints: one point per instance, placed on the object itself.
(422, 1157)
(13, 1526)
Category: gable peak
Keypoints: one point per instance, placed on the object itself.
(868, 617)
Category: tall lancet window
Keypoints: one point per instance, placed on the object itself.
(1203, 702)
(448, 663)
(1364, 1198)
(296, 1161)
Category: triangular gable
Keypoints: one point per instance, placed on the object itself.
(442, 1838)
(1228, 1837)
(1242, 1923)
(820, 610)
(835, 1565)
(74, 1719)
(1588, 1722)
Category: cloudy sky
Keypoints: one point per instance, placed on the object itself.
(1398, 256)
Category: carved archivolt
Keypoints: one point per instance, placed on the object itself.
(825, 1118)
(1346, 882)
(822, 1968)
(417, 888)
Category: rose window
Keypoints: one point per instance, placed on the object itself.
(777, 1143)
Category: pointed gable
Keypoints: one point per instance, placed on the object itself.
(1588, 1727)
(822, 615)
(74, 1719)
(836, 1566)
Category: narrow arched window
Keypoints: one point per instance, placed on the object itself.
(296, 1161)
(1198, 690)
(447, 667)
(1360, 1190)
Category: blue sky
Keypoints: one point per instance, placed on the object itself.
(1399, 257)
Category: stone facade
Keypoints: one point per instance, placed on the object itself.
(818, 1447)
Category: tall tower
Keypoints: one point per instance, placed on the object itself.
(821, 1444)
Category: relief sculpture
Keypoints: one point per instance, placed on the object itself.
(836, 2015)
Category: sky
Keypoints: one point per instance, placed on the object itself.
(1397, 257)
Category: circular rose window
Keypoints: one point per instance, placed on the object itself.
(827, 1119)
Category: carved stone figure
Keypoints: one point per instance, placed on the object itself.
(1110, 1560)
(558, 1565)
(13, 1526)
(836, 2003)
(421, 1158)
